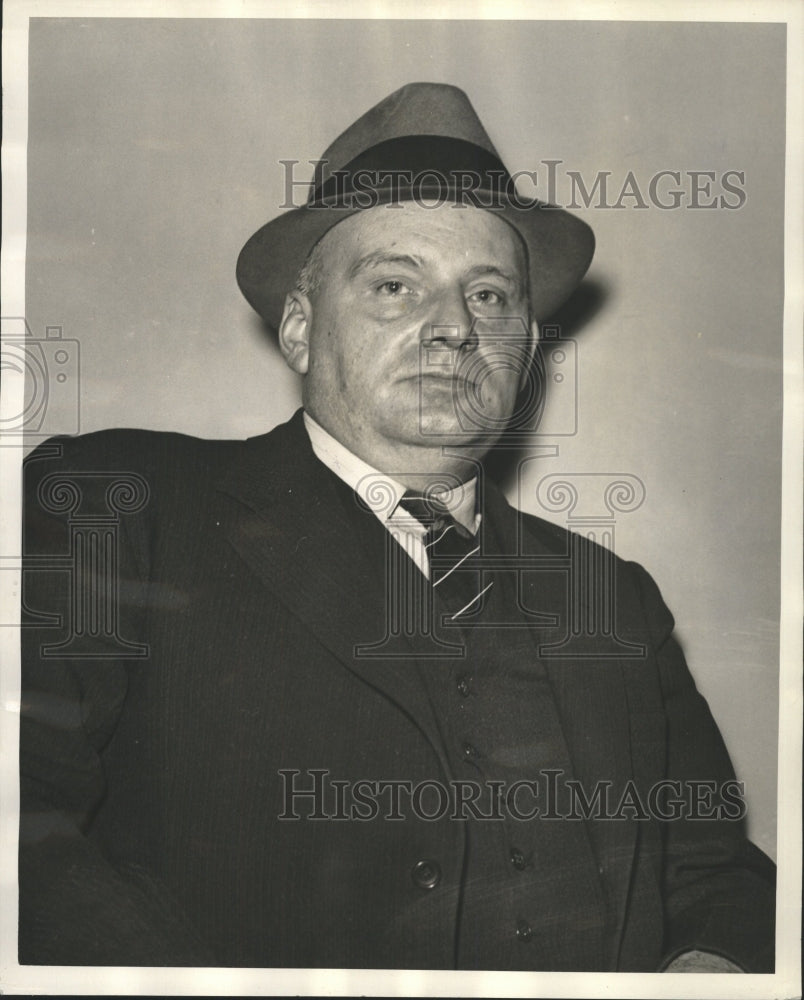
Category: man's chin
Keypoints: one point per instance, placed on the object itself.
(433, 430)
(435, 423)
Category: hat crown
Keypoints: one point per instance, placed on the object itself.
(415, 109)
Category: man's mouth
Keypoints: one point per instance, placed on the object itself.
(447, 377)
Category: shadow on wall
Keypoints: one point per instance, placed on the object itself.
(567, 323)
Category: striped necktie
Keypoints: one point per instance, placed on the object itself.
(449, 547)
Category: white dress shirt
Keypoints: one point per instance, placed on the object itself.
(381, 494)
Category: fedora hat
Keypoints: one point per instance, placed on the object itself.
(423, 142)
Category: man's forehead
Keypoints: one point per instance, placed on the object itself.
(412, 233)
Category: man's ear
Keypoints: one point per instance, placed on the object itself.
(294, 332)
(532, 345)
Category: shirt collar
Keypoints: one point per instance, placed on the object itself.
(379, 492)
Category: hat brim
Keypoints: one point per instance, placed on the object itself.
(560, 248)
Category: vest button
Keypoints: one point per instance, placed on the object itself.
(464, 686)
(518, 859)
(524, 931)
(470, 752)
(426, 874)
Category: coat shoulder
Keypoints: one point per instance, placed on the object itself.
(557, 540)
(117, 448)
(635, 587)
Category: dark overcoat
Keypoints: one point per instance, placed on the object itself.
(208, 632)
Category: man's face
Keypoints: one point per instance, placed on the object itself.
(415, 335)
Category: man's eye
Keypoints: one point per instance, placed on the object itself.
(393, 288)
(487, 296)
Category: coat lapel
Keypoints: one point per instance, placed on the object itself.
(322, 554)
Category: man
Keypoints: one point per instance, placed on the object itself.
(318, 698)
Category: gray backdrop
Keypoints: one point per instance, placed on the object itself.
(153, 155)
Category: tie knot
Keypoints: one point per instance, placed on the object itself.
(426, 509)
(449, 547)
(436, 517)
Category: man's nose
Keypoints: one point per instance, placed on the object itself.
(450, 323)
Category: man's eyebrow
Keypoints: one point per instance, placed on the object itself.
(378, 257)
(480, 270)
